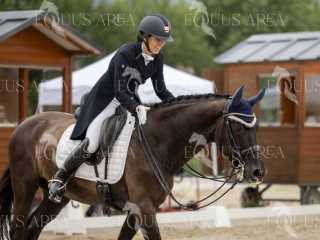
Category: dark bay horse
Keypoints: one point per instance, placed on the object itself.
(169, 128)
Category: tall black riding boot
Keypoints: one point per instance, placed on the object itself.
(57, 185)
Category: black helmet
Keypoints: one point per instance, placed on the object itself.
(156, 25)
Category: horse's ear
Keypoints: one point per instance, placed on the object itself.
(236, 97)
(258, 97)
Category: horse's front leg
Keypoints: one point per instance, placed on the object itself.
(141, 217)
(129, 228)
(149, 227)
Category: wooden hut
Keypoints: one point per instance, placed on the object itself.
(287, 64)
(31, 40)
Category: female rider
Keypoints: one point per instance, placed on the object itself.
(113, 89)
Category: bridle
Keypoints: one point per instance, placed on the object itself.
(236, 157)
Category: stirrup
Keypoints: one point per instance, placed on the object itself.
(58, 194)
(55, 180)
(56, 198)
(63, 186)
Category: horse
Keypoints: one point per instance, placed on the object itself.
(168, 129)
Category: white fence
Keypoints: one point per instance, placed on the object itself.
(72, 219)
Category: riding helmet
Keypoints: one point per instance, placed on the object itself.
(156, 25)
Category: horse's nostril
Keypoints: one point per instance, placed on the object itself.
(236, 163)
(257, 173)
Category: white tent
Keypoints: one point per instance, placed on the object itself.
(178, 82)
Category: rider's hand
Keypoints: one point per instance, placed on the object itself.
(142, 113)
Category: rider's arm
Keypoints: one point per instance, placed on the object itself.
(158, 83)
(121, 83)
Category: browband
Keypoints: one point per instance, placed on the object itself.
(235, 117)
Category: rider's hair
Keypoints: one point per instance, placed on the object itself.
(141, 35)
(143, 38)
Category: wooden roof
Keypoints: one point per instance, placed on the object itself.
(12, 22)
(274, 47)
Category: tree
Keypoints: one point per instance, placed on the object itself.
(235, 20)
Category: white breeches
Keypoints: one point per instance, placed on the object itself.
(94, 129)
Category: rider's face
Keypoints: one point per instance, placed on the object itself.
(156, 44)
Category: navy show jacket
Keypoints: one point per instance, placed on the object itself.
(126, 71)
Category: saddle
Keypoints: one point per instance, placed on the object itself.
(111, 129)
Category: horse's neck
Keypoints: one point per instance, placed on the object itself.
(188, 123)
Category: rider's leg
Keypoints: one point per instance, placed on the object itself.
(74, 160)
(81, 153)
(94, 129)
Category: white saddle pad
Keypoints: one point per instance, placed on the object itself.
(116, 162)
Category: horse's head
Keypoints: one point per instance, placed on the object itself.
(238, 135)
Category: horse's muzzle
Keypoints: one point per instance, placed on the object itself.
(256, 172)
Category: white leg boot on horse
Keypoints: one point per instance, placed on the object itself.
(57, 185)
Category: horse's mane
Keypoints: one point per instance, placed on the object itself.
(187, 99)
